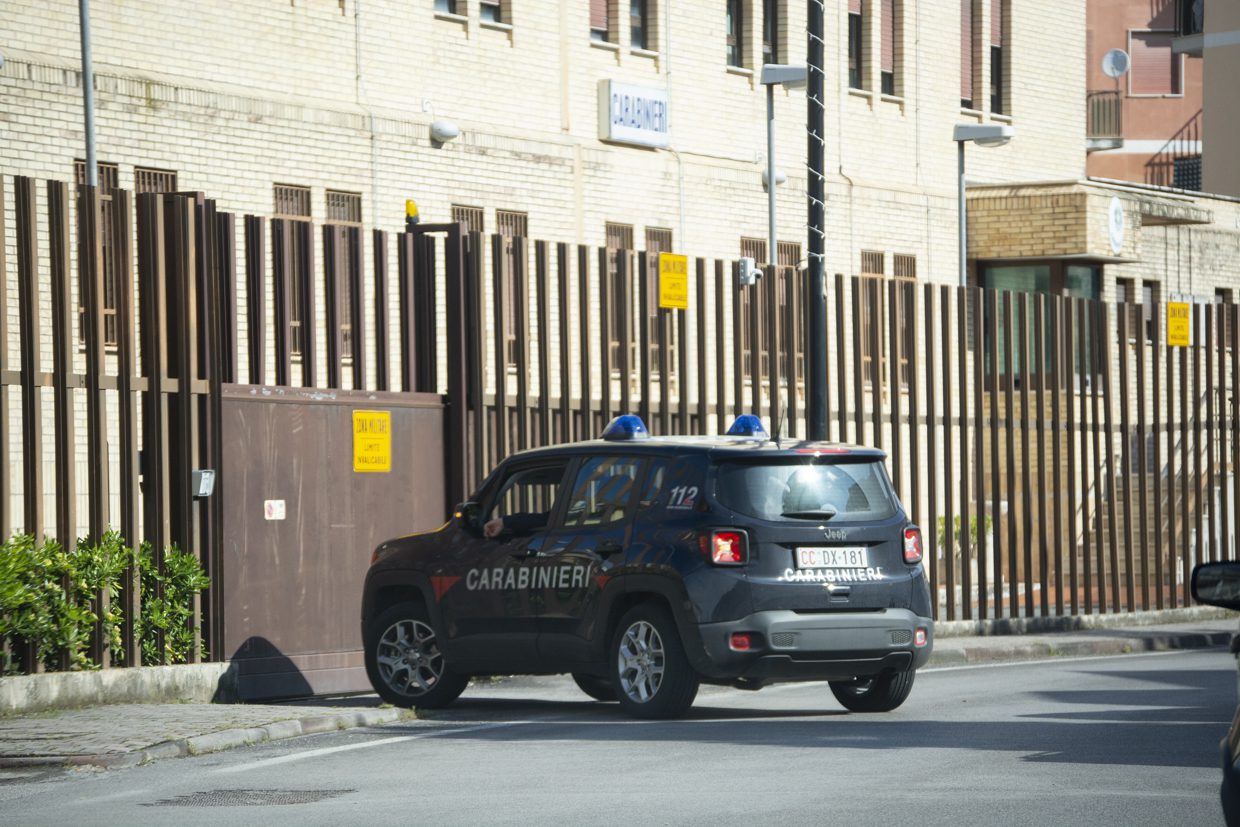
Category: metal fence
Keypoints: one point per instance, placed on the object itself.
(1060, 457)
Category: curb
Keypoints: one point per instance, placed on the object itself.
(215, 741)
(1078, 648)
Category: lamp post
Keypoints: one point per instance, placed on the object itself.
(775, 74)
(982, 135)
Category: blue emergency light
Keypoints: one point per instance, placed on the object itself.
(748, 425)
(626, 427)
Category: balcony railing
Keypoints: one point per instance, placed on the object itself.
(1106, 119)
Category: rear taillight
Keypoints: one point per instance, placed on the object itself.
(740, 641)
(912, 545)
(919, 637)
(725, 548)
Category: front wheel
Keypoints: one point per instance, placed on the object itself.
(404, 662)
(881, 693)
(651, 675)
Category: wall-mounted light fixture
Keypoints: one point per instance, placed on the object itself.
(444, 131)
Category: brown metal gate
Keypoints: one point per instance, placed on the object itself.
(302, 523)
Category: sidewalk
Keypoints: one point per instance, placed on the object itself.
(129, 734)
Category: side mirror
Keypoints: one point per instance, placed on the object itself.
(469, 516)
(1217, 584)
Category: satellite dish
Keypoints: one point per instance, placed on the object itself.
(1116, 63)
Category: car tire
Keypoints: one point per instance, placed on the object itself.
(881, 693)
(404, 662)
(650, 674)
(600, 689)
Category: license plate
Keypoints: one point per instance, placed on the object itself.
(833, 557)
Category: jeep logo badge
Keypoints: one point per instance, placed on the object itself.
(835, 534)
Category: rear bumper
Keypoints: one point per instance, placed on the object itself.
(787, 646)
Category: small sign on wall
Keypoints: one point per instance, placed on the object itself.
(372, 442)
(1179, 324)
(673, 281)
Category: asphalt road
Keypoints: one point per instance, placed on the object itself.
(1126, 741)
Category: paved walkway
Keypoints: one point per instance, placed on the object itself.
(130, 734)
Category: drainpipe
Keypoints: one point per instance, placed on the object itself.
(88, 93)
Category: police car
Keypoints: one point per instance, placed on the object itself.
(646, 566)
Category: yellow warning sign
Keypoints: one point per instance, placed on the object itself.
(372, 441)
(1179, 324)
(673, 281)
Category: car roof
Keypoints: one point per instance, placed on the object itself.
(716, 448)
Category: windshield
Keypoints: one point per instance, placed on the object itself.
(843, 492)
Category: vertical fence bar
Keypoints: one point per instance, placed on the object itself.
(1126, 455)
(1089, 446)
(1104, 498)
(456, 352)
(858, 372)
(606, 323)
(995, 378)
(932, 454)
(405, 294)
(1026, 577)
(984, 538)
(873, 290)
(282, 287)
(541, 274)
(499, 316)
(379, 258)
(1216, 413)
(643, 339)
(6, 381)
(1043, 523)
(1198, 476)
(1104, 329)
(1014, 579)
(566, 383)
(624, 276)
(127, 417)
(700, 329)
(333, 242)
(90, 280)
(304, 273)
(754, 319)
(583, 362)
(1156, 431)
(961, 295)
(841, 371)
(476, 342)
(739, 339)
(256, 299)
(1143, 465)
(1234, 329)
(1175, 488)
(949, 516)
(1071, 382)
(63, 379)
(1219, 461)
(908, 342)
(1055, 364)
(682, 374)
(721, 373)
(1186, 562)
(893, 338)
(666, 318)
(354, 267)
(153, 315)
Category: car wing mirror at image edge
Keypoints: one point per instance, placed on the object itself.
(1217, 584)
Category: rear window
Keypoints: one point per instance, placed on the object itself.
(855, 491)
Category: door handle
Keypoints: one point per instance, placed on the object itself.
(607, 547)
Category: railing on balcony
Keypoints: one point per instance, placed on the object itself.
(1106, 119)
(1178, 163)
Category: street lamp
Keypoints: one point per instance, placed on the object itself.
(775, 74)
(982, 135)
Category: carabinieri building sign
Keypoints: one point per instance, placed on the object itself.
(629, 114)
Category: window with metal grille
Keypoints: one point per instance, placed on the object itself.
(888, 47)
(904, 268)
(791, 294)
(600, 20)
(966, 54)
(856, 45)
(998, 50)
(658, 240)
(108, 176)
(471, 217)
(492, 11)
(511, 225)
(346, 208)
(1139, 306)
(736, 33)
(1155, 69)
(619, 243)
(771, 17)
(293, 203)
(154, 180)
(754, 248)
(873, 318)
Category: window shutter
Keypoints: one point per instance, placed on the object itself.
(889, 36)
(854, 6)
(966, 49)
(996, 22)
(1154, 67)
(598, 14)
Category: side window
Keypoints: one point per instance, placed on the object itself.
(529, 491)
(654, 483)
(602, 491)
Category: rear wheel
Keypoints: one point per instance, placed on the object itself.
(881, 693)
(651, 676)
(600, 689)
(404, 662)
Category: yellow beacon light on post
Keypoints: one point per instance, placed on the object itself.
(411, 214)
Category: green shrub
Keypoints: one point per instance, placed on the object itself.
(49, 599)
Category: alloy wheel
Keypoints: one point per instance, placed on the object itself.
(641, 660)
(409, 659)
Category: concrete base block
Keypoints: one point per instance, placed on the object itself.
(200, 683)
